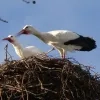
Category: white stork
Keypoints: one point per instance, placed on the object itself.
(23, 52)
(62, 40)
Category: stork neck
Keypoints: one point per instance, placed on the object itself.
(38, 34)
(18, 49)
(16, 45)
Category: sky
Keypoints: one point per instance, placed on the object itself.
(82, 17)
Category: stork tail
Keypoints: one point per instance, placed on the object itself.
(88, 45)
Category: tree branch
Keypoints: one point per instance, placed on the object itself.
(3, 20)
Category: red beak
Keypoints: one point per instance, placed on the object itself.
(6, 38)
(9, 39)
(22, 32)
(19, 33)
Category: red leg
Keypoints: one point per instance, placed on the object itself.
(50, 50)
(64, 56)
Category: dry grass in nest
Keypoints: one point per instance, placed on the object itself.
(47, 79)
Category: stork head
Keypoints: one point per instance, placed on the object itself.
(27, 29)
(10, 38)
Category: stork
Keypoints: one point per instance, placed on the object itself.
(62, 40)
(23, 52)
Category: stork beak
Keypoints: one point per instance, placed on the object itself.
(8, 39)
(23, 31)
(19, 33)
(5, 38)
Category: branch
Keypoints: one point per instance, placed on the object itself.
(34, 2)
(7, 53)
(26, 1)
(3, 20)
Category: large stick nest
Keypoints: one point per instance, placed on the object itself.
(47, 79)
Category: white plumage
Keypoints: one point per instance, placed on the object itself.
(62, 40)
(63, 35)
(23, 52)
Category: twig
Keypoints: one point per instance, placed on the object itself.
(34, 2)
(26, 1)
(46, 90)
(40, 83)
(27, 95)
(6, 49)
(3, 20)
(20, 90)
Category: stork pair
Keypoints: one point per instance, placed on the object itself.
(61, 40)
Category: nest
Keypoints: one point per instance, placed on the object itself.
(47, 79)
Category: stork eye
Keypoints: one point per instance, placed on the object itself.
(26, 27)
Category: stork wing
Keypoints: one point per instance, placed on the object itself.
(61, 35)
(33, 49)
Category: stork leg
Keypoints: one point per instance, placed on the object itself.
(62, 57)
(50, 50)
(60, 52)
(64, 54)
